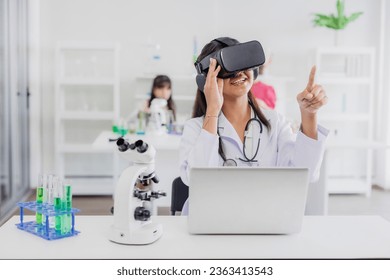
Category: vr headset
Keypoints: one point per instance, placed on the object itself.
(233, 58)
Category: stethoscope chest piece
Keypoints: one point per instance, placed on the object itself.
(230, 162)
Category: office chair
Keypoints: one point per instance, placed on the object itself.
(179, 195)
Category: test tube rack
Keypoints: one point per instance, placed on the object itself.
(44, 230)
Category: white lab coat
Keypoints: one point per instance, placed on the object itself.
(278, 147)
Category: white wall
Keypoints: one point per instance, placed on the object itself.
(284, 27)
(383, 127)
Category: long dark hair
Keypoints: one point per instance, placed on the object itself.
(159, 82)
(200, 105)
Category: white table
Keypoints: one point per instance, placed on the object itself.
(321, 237)
(167, 158)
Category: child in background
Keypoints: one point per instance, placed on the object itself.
(264, 94)
(161, 88)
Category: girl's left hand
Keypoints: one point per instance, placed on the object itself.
(313, 97)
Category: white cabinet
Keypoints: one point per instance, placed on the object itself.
(281, 85)
(348, 77)
(87, 102)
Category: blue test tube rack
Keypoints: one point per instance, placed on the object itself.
(44, 230)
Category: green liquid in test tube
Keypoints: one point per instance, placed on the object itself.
(63, 217)
(38, 216)
(57, 208)
(67, 205)
(123, 131)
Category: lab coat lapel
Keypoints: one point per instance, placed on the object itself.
(227, 131)
(266, 135)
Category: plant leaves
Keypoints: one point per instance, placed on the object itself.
(340, 8)
(335, 22)
(321, 16)
(320, 20)
(354, 16)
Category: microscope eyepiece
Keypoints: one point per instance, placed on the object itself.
(141, 146)
(120, 141)
(122, 144)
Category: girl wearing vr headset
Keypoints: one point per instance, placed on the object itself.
(229, 129)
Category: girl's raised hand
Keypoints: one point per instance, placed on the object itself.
(313, 97)
(213, 89)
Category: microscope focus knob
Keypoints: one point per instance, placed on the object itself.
(157, 194)
(141, 214)
(155, 179)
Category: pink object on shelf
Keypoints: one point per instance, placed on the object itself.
(264, 92)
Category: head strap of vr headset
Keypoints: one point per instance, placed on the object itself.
(225, 41)
(204, 63)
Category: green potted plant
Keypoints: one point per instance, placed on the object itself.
(336, 22)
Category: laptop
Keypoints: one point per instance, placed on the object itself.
(242, 200)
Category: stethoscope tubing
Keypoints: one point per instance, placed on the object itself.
(233, 162)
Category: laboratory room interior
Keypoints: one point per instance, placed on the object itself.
(98, 100)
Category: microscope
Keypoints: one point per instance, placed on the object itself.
(157, 120)
(134, 196)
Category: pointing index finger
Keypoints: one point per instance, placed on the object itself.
(312, 76)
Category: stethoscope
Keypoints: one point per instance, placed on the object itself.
(232, 162)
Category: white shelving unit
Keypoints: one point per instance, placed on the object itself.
(348, 77)
(281, 85)
(87, 102)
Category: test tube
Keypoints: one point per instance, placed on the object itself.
(141, 123)
(44, 199)
(39, 200)
(123, 129)
(170, 121)
(67, 206)
(49, 189)
(51, 183)
(115, 126)
(58, 196)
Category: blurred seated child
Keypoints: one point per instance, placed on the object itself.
(264, 94)
(161, 88)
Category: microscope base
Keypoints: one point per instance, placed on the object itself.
(146, 234)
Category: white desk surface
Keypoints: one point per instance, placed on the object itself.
(321, 237)
(160, 142)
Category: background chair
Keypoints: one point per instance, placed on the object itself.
(179, 195)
